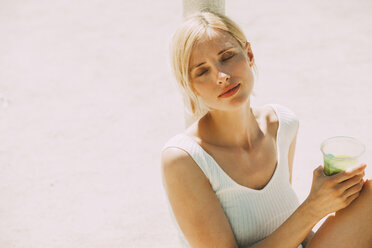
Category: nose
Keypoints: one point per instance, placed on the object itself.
(222, 77)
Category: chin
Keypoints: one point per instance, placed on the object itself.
(235, 103)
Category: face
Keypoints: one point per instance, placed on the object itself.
(218, 63)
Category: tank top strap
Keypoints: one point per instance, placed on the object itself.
(289, 123)
(206, 163)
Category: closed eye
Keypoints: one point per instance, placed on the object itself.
(227, 56)
(203, 72)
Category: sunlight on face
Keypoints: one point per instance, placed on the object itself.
(218, 61)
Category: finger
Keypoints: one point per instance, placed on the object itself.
(319, 171)
(354, 189)
(350, 182)
(366, 181)
(351, 198)
(342, 176)
(361, 166)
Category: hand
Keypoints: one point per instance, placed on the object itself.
(332, 193)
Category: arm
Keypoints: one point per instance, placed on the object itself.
(298, 227)
(328, 194)
(308, 238)
(194, 203)
(293, 231)
(291, 153)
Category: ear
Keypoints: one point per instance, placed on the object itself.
(249, 53)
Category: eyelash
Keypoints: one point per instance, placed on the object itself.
(201, 74)
(229, 57)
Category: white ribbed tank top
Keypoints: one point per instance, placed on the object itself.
(252, 214)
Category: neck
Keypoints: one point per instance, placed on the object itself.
(231, 129)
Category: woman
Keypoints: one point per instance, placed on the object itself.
(228, 176)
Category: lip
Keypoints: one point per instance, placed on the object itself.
(225, 93)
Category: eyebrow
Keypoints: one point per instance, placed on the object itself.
(224, 50)
(202, 63)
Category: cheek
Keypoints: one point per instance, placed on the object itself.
(200, 88)
(241, 61)
(194, 89)
(206, 89)
(241, 67)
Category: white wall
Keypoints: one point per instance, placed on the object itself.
(91, 101)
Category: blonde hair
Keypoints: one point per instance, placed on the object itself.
(182, 44)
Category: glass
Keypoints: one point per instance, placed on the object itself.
(341, 153)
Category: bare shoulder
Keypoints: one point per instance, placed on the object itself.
(267, 115)
(173, 155)
(271, 115)
(178, 165)
(194, 203)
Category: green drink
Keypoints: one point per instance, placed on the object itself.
(341, 153)
(335, 164)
